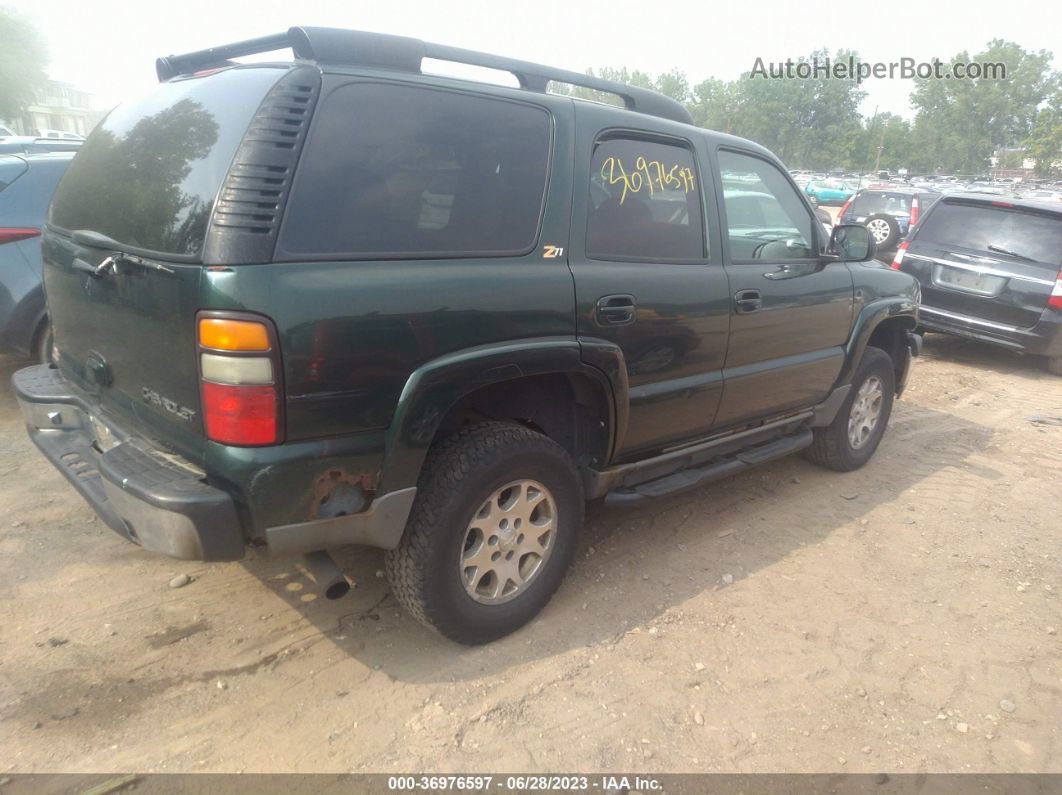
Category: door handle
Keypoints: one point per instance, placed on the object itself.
(616, 310)
(746, 301)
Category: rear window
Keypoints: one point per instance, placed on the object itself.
(148, 174)
(11, 168)
(1033, 235)
(398, 171)
(872, 202)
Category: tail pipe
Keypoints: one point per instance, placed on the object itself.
(326, 574)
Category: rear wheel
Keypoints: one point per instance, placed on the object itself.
(851, 439)
(492, 532)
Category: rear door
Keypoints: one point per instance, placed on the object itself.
(144, 184)
(791, 311)
(987, 259)
(643, 277)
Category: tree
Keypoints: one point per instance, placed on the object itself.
(1044, 144)
(960, 123)
(22, 60)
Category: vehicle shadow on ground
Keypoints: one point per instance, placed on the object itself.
(635, 565)
(983, 356)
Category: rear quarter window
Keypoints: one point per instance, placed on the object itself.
(1031, 234)
(393, 171)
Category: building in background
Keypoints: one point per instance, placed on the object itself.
(59, 106)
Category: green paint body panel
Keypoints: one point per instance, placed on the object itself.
(375, 353)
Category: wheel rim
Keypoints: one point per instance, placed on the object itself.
(879, 229)
(508, 542)
(866, 412)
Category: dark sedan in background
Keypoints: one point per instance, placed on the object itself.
(991, 269)
(26, 186)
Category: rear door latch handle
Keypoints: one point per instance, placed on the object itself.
(746, 301)
(616, 310)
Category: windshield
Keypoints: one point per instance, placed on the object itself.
(148, 175)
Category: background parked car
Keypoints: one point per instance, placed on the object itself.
(62, 135)
(829, 191)
(991, 270)
(888, 214)
(28, 145)
(26, 186)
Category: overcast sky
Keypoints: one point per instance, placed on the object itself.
(108, 47)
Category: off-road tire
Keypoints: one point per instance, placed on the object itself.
(831, 447)
(460, 473)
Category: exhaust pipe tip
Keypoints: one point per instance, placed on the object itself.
(326, 574)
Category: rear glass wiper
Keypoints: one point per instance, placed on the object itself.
(999, 250)
(87, 237)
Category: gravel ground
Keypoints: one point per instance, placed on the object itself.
(900, 618)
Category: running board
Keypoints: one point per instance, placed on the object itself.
(718, 468)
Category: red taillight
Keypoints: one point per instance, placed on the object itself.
(897, 259)
(12, 235)
(844, 209)
(243, 415)
(239, 371)
(1055, 301)
(914, 211)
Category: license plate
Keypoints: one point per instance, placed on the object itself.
(971, 281)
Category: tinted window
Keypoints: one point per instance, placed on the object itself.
(765, 216)
(1034, 235)
(400, 171)
(870, 202)
(644, 202)
(148, 174)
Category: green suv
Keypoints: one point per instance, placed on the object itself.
(335, 300)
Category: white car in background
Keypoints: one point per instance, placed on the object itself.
(61, 134)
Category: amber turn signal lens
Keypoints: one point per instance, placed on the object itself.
(233, 335)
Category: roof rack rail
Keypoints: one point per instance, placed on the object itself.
(334, 45)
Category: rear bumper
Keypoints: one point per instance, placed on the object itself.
(165, 504)
(152, 499)
(1043, 339)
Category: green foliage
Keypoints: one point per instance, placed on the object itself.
(1044, 144)
(815, 123)
(22, 59)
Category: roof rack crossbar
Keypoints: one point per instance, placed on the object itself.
(332, 45)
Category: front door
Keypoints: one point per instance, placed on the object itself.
(643, 277)
(791, 310)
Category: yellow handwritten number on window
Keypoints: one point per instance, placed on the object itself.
(651, 175)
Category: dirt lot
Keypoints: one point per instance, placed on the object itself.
(900, 618)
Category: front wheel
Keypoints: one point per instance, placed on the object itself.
(851, 439)
(491, 534)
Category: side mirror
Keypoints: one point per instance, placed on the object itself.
(851, 243)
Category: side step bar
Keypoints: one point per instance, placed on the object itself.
(714, 470)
